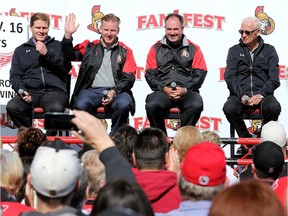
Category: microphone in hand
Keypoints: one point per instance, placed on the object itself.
(173, 85)
(21, 93)
(105, 94)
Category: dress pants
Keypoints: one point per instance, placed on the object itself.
(158, 105)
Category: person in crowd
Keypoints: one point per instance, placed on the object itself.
(10, 182)
(159, 184)
(122, 194)
(246, 198)
(28, 140)
(92, 132)
(184, 138)
(268, 162)
(175, 71)
(55, 176)
(96, 176)
(79, 199)
(107, 72)
(201, 179)
(232, 174)
(125, 139)
(38, 74)
(11, 175)
(275, 132)
(251, 76)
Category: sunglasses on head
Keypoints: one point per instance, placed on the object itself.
(247, 32)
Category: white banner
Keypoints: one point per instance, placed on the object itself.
(213, 25)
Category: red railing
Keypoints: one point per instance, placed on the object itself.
(11, 140)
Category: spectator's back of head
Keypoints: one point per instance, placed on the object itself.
(150, 149)
(203, 172)
(95, 170)
(125, 139)
(55, 169)
(186, 137)
(275, 132)
(247, 198)
(28, 140)
(211, 136)
(268, 160)
(122, 193)
(12, 171)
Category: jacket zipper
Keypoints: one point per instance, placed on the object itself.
(42, 75)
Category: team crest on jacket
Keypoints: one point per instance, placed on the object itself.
(119, 58)
(185, 53)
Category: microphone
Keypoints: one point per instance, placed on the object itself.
(173, 85)
(105, 94)
(246, 98)
(21, 93)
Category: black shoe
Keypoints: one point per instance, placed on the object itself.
(242, 150)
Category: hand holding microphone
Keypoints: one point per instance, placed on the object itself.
(21, 93)
(105, 94)
(173, 85)
(25, 96)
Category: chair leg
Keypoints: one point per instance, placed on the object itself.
(232, 147)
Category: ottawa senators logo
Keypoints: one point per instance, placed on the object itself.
(96, 19)
(255, 126)
(173, 124)
(267, 23)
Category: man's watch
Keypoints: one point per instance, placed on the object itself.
(261, 96)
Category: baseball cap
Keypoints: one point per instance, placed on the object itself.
(205, 165)
(275, 132)
(55, 169)
(268, 157)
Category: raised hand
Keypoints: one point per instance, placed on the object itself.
(70, 26)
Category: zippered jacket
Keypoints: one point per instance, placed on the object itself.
(91, 54)
(30, 70)
(186, 66)
(246, 77)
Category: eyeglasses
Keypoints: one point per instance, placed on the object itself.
(247, 32)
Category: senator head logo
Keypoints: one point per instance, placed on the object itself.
(267, 23)
(96, 19)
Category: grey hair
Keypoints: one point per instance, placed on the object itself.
(255, 20)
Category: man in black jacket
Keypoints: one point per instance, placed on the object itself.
(252, 77)
(175, 71)
(107, 72)
(38, 74)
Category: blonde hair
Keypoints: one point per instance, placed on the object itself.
(211, 136)
(186, 137)
(95, 170)
(11, 171)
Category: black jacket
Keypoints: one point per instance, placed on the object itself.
(91, 54)
(244, 77)
(184, 65)
(30, 70)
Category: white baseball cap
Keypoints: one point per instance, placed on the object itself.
(275, 132)
(55, 169)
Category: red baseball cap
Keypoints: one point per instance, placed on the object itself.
(205, 165)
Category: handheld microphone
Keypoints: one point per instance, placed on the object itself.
(246, 98)
(173, 85)
(21, 93)
(105, 94)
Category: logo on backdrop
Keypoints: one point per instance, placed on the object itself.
(267, 23)
(5, 59)
(96, 19)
